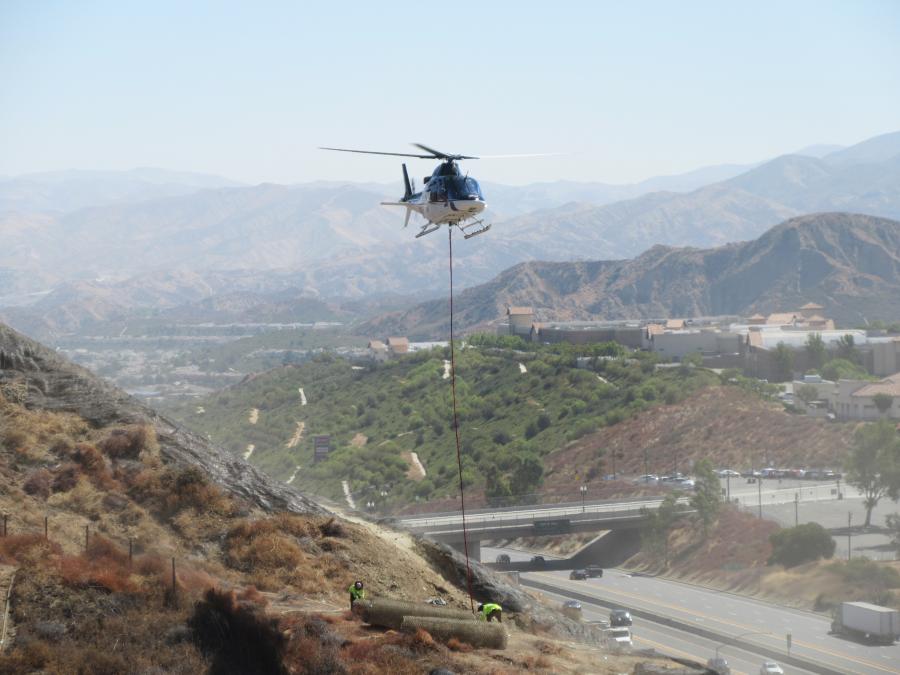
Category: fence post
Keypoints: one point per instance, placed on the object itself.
(46, 527)
(5, 518)
(87, 535)
(130, 551)
(173, 578)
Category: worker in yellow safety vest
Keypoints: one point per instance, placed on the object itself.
(490, 611)
(357, 592)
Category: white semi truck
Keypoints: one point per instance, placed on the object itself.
(868, 622)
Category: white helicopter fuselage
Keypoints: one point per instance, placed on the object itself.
(447, 211)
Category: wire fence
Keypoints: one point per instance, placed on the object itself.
(79, 538)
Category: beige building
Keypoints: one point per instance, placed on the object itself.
(855, 400)
(397, 345)
(520, 321)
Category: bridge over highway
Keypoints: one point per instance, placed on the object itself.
(595, 516)
(532, 521)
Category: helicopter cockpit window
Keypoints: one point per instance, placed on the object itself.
(437, 190)
(463, 188)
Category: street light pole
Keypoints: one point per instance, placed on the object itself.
(728, 484)
(796, 509)
(583, 492)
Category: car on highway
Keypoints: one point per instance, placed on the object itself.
(619, 639)
(594, 571)
(620, 617)
(679, 483)
(503, 559)
(578, 575)
(718, 665)
(770, 668)
(725, 473)
(539, 561)
(646, 479)
(572, 609)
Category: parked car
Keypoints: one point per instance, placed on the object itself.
(594, 571)
(679, 483)
(725, 473)
(770, 668)
(718, 665)
(538, 561)
(503, 559)
(579, 575)
(646, 479)
(620, 617)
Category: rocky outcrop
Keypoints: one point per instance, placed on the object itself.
(40, 378)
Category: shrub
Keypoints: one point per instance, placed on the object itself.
(37, 483)
(17, 548)
(797, 545)
(126, 443)
(236, 637)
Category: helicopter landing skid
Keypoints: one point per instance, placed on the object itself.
(469, 235)
(428, 229)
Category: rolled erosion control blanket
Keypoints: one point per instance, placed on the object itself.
(475, 633)
(390, 613)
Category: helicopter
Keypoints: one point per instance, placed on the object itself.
(448, 197)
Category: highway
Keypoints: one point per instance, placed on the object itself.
(771, 492)
(679, 644)
(725, 614)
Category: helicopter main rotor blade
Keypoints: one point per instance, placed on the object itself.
(441, 155)
(532, 154)
(373, 152)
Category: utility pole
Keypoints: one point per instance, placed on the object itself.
(728, 486)
(796, 509)
(849, 516)
(583, 493)
(759, 491)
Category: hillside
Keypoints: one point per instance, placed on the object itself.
(122, 527)
(516, 410)
(848, 263)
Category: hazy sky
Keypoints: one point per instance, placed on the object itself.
(625, 90)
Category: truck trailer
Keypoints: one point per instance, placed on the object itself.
(867, 622)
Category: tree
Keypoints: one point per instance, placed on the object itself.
(784, 362)
(893, 525)
(707, 499)
(797, 545)
(807, 393)
(873, 465)
(527, 475)
(842, 369)
(883, 402)
(846, 348)
(658, 524)
(815, 350)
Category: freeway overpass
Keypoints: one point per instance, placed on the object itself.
(597, 516)
(532, 521)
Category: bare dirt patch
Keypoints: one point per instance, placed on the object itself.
(253, 417)
(359, 440)
(298, 434)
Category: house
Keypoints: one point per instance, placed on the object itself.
(856, 400)
(397, 345)
(378, 351)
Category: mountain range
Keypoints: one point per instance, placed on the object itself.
(848, 263)
(336, 241)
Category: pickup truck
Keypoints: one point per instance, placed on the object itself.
(618, 639)
(867, 622)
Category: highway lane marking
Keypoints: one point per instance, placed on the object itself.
(742, 626)
(803, 643)
(666, 649)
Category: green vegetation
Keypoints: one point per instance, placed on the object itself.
(873, 465)
(707, 498)
(784, 362)
(509, 420)
(815, 350)
(842, 369)
(801, 544)
(658, 526)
